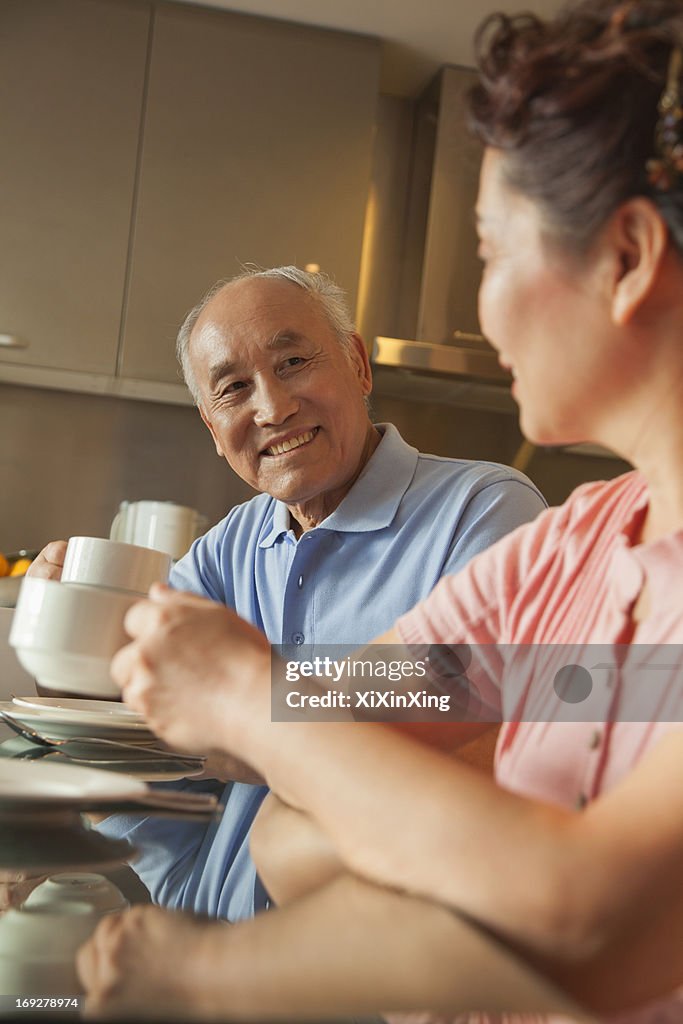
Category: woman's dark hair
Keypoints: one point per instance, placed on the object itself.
(573, 104)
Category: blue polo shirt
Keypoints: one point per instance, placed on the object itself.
(409, 519)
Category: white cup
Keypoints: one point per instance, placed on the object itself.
(161, 525)
(65, 635)
(99, 562)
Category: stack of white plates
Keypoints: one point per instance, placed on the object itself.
(64, 718)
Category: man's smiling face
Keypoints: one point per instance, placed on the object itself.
(282, 397)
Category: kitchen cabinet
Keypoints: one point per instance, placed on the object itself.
(150, 149)
(71, 87)
(257, 149)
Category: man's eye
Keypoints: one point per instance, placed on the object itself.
(233, 386)
(292, 363)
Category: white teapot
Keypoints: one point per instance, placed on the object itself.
(161, 525)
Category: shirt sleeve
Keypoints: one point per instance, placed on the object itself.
(493, 512)
(199, 571)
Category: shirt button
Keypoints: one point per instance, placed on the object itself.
(595, 740)
(298, 638)
(581, 801)
(300, 582)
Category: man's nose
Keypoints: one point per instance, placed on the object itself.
(274, 402)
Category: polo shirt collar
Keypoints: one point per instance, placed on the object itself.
(373, 501)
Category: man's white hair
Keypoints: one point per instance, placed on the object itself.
(331, 298)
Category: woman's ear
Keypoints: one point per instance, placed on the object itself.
(641, 239)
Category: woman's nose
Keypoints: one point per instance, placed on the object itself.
(274, 402)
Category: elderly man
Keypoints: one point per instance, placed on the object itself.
(352, 528)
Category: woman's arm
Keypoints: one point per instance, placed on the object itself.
(349, 948)
(293, 856)
(576, 888)
(594, 896)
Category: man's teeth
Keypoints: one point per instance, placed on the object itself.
(293, 442)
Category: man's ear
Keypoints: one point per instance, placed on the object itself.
(641, 240)
(211, 430)
(361, 360)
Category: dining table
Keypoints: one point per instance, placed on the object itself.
(39, 839)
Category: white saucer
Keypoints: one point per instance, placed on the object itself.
(65, 705)
(67, 724)
(35, 782)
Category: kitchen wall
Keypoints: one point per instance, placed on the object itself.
(68, 459)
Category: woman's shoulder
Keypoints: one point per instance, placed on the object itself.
(598, 501)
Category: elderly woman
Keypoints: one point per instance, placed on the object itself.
(573, 855)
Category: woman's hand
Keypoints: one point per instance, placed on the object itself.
(198, 673)
(49, 563)
(151, 962)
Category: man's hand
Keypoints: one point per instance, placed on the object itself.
(148, 962)
(49, 563)
(198, 673)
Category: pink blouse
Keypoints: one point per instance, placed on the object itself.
(569, 578)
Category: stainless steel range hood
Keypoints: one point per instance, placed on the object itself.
(466, 356)
(432, 328)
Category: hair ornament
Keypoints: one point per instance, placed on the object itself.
(619, 15)
(665, 170)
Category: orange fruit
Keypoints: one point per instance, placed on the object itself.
(20, 566)
(4, 565)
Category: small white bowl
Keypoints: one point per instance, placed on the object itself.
(65, 635)
(98, 562)
(98, 892)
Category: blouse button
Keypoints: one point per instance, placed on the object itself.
(595, 740)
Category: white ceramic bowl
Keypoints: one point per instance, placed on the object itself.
(66, 635)
(98, 562)
(98, 892)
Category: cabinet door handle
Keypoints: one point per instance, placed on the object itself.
(12, 341)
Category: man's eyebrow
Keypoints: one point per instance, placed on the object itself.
(285, 337)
